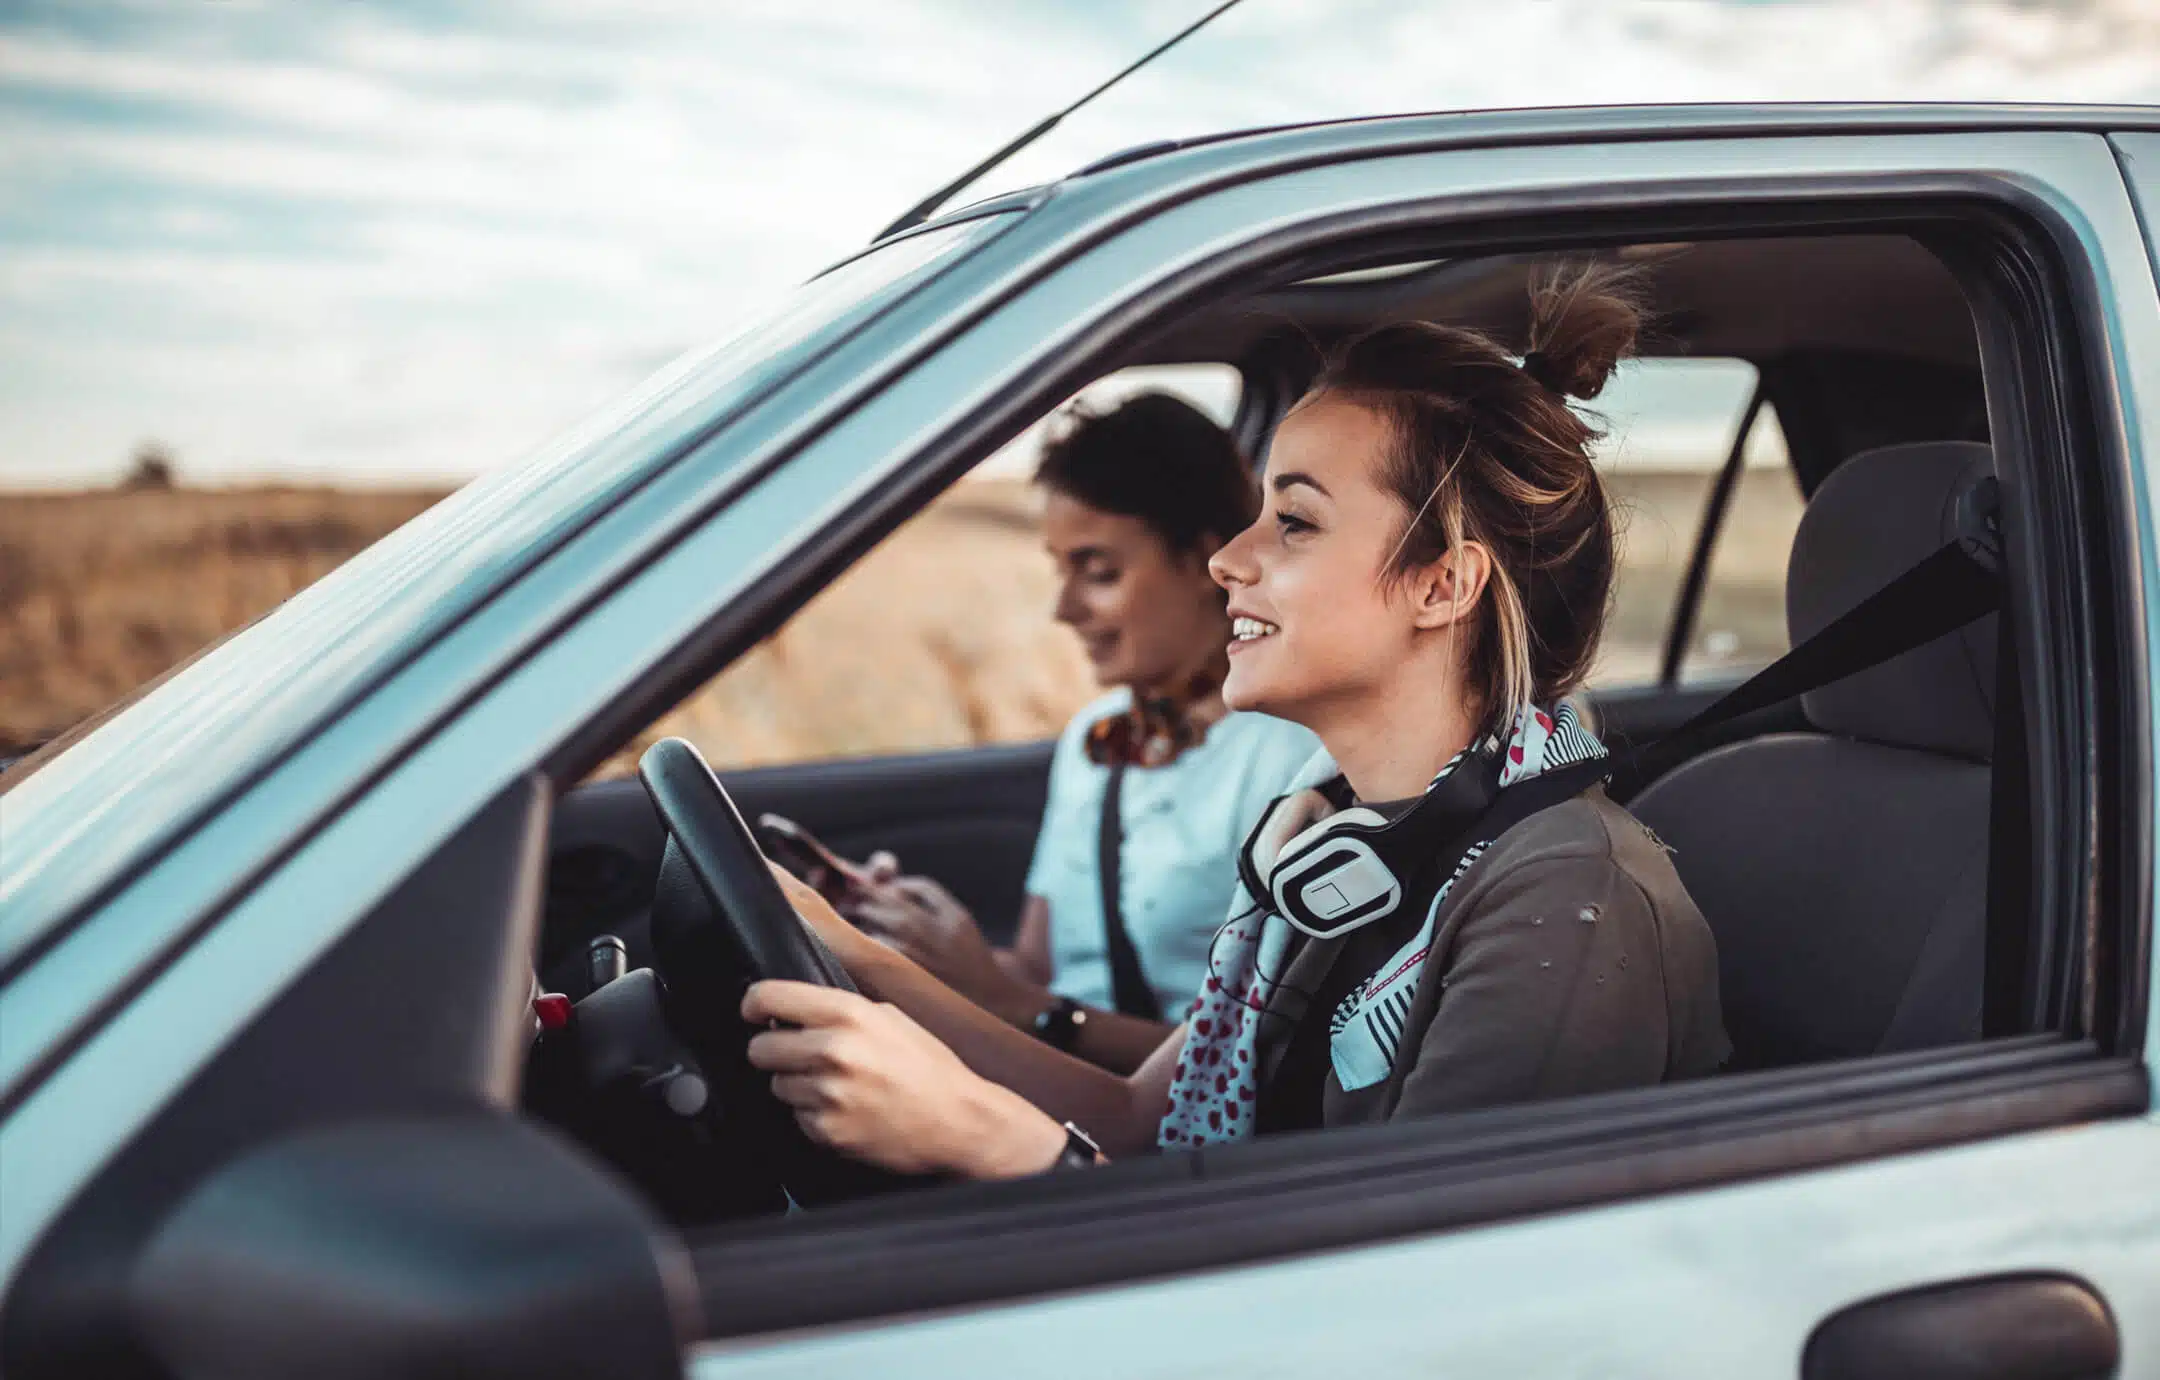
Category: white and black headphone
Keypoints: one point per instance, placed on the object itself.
(1334, 877)
(1355, 866)
(1351, 868)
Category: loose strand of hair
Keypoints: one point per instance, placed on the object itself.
(1410, 528)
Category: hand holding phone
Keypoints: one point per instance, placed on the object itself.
(803, 853)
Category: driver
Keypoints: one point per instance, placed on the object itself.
(1427, 580)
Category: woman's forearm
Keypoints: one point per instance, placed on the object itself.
(1116, 1111)
(1016, 966)
(1107, 1039)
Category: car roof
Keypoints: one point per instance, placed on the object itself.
(1601, 123)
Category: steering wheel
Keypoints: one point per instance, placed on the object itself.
(716, 845)
(720, 921)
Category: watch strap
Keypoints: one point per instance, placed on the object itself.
(1058, 1025)
(1080, 1152)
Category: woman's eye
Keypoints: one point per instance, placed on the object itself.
(1103, 575)
(1291, 523)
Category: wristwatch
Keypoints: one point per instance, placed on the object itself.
(1058, 1024)
(1080, 1152)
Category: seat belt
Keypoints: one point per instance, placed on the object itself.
(1960, 583)
(1130, 991)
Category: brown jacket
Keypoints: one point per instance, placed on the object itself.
(1568, 959)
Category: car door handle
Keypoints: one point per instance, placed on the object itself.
(2001, 1327)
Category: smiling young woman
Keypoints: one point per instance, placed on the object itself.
(1425, 583)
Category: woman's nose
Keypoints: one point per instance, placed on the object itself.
(1067, 610)
(1231, 565)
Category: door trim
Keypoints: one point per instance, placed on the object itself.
(1172, 1215)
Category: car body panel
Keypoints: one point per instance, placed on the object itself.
(1697, 1286)
(109, 1022)
(2139, 154)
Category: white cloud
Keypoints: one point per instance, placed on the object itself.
(326, 238)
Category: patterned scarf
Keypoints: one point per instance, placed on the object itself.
(1157, 730)
(1214, 1091)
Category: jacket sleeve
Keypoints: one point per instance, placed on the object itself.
(1552, 986)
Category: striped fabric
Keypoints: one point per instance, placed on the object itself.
(1366, 1029)
(1213, 1093)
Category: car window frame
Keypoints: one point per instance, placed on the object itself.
(1680, 630)
(2065, 1072)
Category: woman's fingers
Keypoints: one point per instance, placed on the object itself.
(791, 1051)
(882, 866)
(799, 1003)
(896, 926)
(925, 891)
(876, 912)
(803, 1091)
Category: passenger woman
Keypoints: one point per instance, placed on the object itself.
(1425, 583)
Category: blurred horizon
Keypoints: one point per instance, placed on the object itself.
(400, 245)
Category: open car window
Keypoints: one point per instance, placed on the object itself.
(941, 638)
(1671, 425)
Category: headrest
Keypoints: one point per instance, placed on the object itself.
(1878, 515)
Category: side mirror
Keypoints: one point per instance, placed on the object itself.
(467, 1245)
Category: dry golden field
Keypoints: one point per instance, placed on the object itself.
(100, 592)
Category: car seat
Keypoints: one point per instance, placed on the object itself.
(1844, 871)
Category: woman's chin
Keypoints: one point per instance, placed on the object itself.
(1110, 671)
(1244, 692)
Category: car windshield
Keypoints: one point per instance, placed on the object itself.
(141, 769)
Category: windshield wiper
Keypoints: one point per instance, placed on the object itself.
(927, 207)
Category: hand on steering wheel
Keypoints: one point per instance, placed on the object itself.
(720, 916)
(865, 1079)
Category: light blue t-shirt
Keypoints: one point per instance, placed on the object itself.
(1184, 823)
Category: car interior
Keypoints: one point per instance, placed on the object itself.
(1838, 844)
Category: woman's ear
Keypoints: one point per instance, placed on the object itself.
(1447, 591)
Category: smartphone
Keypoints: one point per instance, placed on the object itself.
(805, 854)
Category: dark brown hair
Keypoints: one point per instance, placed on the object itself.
(1159, 459)
(1487, 450)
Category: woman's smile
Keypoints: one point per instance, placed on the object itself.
(1246, 630)
(1101, 647)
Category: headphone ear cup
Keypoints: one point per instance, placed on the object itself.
(1330, 881)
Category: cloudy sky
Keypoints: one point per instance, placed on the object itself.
(380, 241)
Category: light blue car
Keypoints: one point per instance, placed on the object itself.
(269, 931)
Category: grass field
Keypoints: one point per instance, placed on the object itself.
(939, 638)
